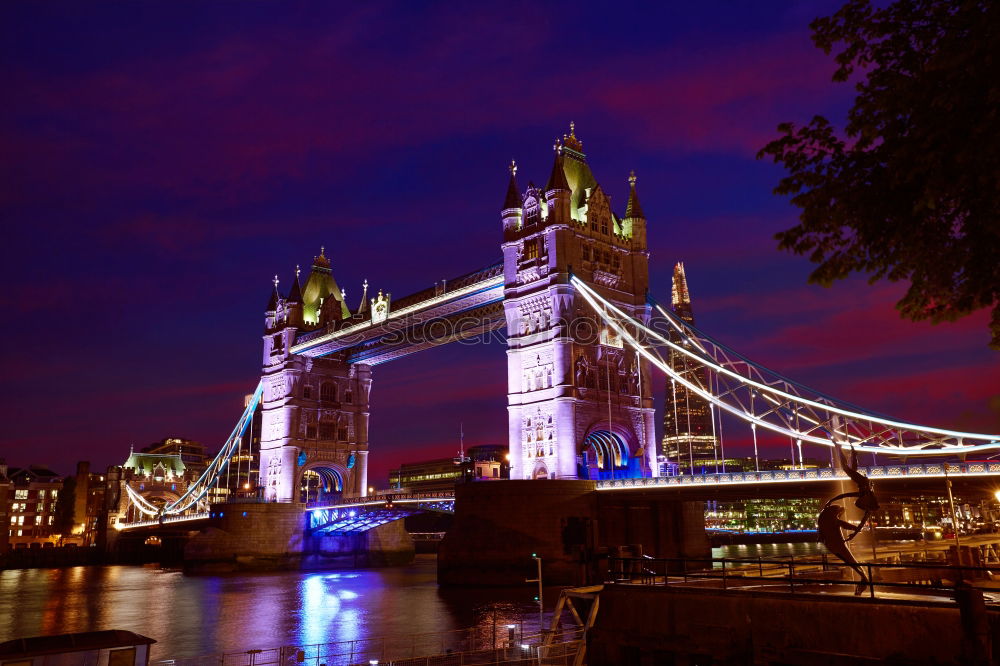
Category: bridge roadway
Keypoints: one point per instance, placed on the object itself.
(893, 480)
(455, 309)
(345, 516)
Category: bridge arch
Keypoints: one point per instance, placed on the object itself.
(609, 454)
(321, 481)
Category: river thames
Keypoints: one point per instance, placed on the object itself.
(199, 615)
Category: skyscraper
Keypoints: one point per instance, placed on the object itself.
(688, 437)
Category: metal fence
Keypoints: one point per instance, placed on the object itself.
(802, 575)
(496, 644)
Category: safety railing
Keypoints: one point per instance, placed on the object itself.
(817, 575)
(483, 645)
(923, 470)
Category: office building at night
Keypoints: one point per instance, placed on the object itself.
(689, 439)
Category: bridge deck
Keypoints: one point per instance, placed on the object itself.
(459, 308)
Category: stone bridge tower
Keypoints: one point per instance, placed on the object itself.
(314, 418)
(579, 402)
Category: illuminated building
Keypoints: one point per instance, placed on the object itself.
(689, 439)
(192, 453)
(578, 401)
(33, 493)
(88, 506)
(480, 463)
(314, 412)
(6, 497)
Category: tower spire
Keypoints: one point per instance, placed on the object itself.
(680, 296)
(364, 298)
(513, 199)
(633, 209)
(557, 179)
(295, 293)
(272, 304)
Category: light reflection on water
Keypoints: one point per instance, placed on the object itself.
(196, 615)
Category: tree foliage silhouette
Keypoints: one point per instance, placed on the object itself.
(909, 190)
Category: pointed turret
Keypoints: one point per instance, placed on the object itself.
(513, 207)
(363, 307)
(680, 296)
(557, 178)
(295, 293)
(557, 191)
(272, 304)
(513, 198)
(633, 209)
(320, 287)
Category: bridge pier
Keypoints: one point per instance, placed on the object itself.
(570, 524)
(274, 535)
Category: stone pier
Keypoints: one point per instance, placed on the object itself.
(270, 536)
(569, 524)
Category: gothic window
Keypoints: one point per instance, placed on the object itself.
(342, 435)
(548, 382)
(327, 431)
(586, 253)
(604, 225)
(607, 256)
(276, 345)
(328, 392)
(531, 248)
(307, 392)
(348, 398)
(311, 432)
(616, 261)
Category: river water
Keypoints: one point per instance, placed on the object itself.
(196, 615)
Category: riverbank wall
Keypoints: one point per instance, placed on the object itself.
(685, 625)
(573, 527)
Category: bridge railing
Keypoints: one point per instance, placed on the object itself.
(383, 497)
(809, 575)
(163, 520)
(937, 469)
(490, 644)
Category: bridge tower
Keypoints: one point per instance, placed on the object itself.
(314, 419)
(579, 402)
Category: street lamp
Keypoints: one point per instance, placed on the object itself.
(539, 598)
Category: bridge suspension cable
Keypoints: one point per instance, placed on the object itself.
(733, 383)
(213, 472)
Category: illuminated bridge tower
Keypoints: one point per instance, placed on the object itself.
(579, 403)
(688, 438)
(314, 421)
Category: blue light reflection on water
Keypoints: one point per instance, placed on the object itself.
(197, 615)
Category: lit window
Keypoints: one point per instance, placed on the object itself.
(20, 533)
(20, 494)
(38, 520)
(50, 519)
(20, 520)
(531, 249)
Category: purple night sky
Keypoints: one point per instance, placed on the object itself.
(161, 161)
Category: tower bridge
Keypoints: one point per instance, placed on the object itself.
(584, 339)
